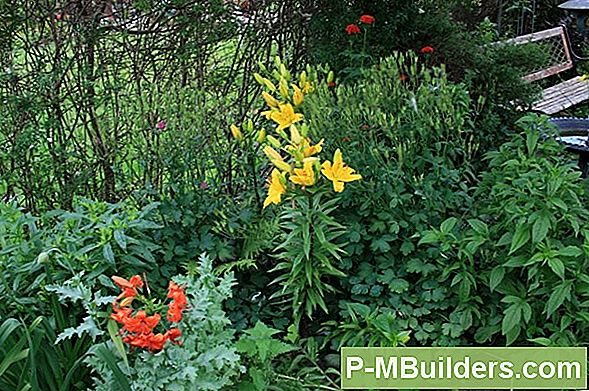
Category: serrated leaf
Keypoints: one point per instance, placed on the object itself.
(478, 226)
(570, 251)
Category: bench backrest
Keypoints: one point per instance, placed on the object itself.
(556, 42)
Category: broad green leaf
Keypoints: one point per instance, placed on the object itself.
(558, 296)
(448, 225)
(520, 238)
(557, 267)
(511, 318)
(540, 228)
(496, 277)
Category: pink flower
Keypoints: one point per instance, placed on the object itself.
(352, 29)
(58, 16)
(161, 125)
(203, 185)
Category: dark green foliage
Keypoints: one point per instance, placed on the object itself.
(527, 245)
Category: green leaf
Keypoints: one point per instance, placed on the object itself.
(113, 331)
(511, 318)
(557, 266)
(429, 237)
(108, 253)
(448, 225)
(541, 341)
(496, 277)
(558, 296)
(520, 238)
(540, 228)
(532, 141)
(478, 226)
(570, 251)
(120, 238)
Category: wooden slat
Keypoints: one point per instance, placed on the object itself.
(562, 96)
(544, 73)
(553, 32)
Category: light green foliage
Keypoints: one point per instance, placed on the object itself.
(207, 358)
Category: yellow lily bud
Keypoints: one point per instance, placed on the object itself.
(270, 100)
(284, 91)
(281, 165)
(295, 136)
(310, 159)
(271, 152)
(261, 136)
(236, 133)
(264, 82)
(274, 142)
(303, 78)
(298, 96)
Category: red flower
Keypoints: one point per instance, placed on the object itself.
(331, 84)
(427, 49)
(352, 29)
(403, 77)
(368, 19)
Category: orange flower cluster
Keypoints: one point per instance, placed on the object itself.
(175, 308)
(138, 329)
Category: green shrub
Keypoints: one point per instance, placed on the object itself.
(525, 246)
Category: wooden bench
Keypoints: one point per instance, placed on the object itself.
(563, 95)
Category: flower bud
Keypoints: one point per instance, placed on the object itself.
(236, 133)
(43, 257)
(295, 136)
(274, 142)
(330, 77)
(261, 136)
(270, 100)
(298, 96)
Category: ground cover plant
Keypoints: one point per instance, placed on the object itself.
(219, 195)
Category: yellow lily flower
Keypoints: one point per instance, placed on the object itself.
(310, 150)
(276, 189)
(270, 100)
(304, 176)
(285, 116)
(338, 172)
